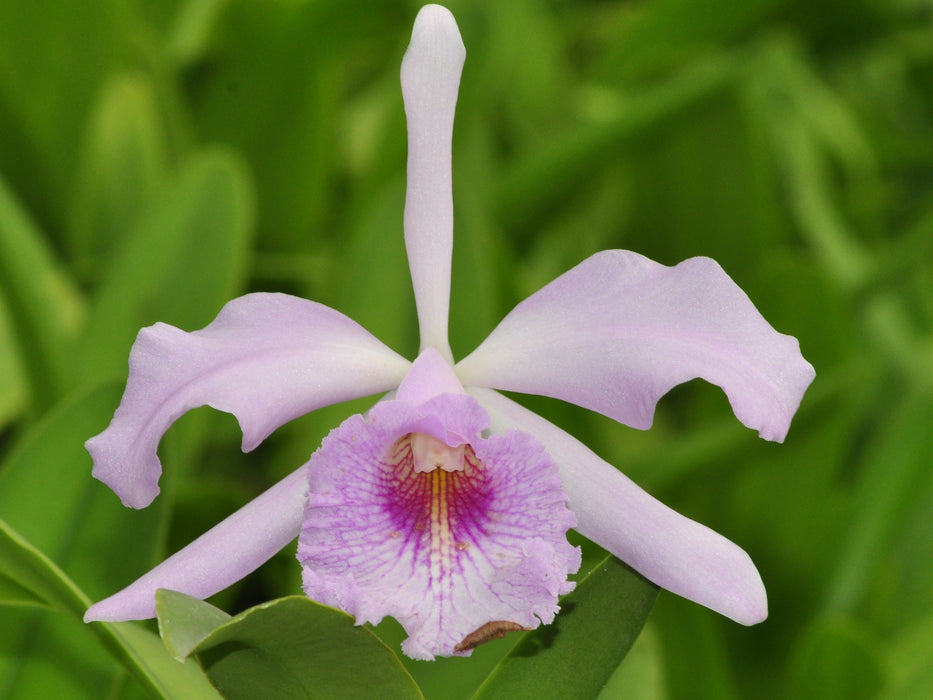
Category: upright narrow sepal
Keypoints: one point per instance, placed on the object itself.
(430, 81)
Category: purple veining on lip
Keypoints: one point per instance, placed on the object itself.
(407, 497)
(443, 552)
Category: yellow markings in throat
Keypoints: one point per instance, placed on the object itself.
(441, 540)
(435, 484)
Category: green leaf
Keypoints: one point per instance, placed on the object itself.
(48, 497)
(288, 648)
(123, 163)
(698, 659)
(576, 655)
(143, 653)
(23, 566)
(641, 675)
(43, 304)
(184, 621)
(46, 654)
(12, 593)
(26, 567)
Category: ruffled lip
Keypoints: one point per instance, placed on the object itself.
(443, 552)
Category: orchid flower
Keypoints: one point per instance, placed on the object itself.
(447, 504)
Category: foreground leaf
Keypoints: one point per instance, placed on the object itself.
(41, 582)
(184, 622)
(35, 576)
(143, 654)
(288, 648)
(56, 519)
(576, 655)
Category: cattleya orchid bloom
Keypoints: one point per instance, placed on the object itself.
(447, 505)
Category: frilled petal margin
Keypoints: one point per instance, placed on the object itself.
(618, 331)
(221, 556)
(266, 358)
(445, 547)
(667, 548)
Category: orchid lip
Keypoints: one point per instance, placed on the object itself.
(443, 548)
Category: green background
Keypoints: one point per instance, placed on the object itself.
(160, 158)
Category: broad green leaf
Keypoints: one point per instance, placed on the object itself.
(575, 655)
(42, 301)
(143, 653)
(184, 621)
(122, 164)
(139, 649)
(183, 261)
(12, 593)
(289, 648)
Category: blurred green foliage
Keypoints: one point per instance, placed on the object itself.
(157, 159)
